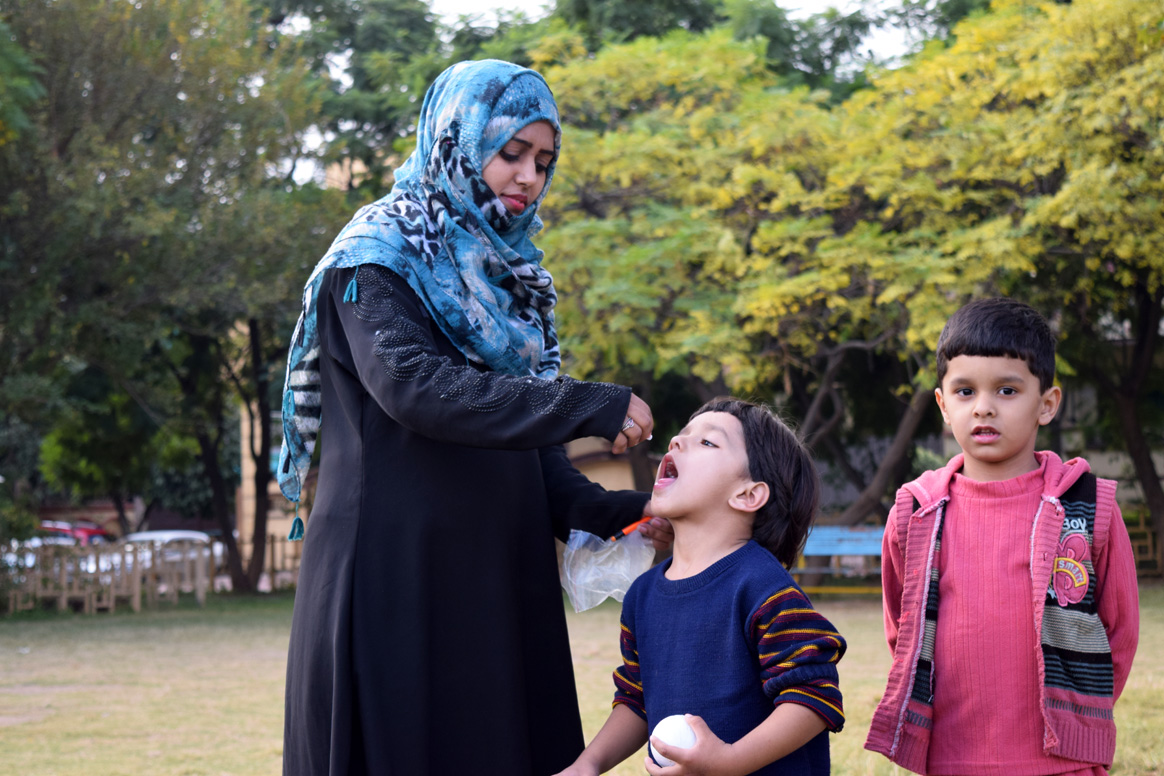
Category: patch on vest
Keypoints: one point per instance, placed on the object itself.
(1070, 577)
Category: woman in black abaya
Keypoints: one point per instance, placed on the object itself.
(429, 635)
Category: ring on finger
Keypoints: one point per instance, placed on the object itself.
(628, 423)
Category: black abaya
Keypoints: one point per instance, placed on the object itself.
(429, 634)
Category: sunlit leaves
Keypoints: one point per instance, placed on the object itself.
(1033, 139)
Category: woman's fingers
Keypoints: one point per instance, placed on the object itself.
(640, 421)
(637, 426)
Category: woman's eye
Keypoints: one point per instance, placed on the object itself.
(541, 168)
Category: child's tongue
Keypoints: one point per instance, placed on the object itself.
(663, 482)
(667, 474)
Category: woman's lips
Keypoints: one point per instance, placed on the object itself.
(514, 203)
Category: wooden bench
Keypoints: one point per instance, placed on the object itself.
(834, 542)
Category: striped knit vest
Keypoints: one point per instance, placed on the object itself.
(1076, 653)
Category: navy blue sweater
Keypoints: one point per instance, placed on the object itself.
(727, 645)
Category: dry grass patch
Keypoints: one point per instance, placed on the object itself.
(190, 692)
(175, 691)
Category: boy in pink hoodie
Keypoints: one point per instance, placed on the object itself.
(1011, 605)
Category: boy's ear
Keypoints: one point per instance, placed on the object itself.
(941, 405)
(750, 497)
(1049, 405)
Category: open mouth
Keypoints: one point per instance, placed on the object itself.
(667, 472)
(984, 433)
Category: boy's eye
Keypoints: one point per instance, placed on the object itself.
(707, 442)
(1007, 391)
(964, 392)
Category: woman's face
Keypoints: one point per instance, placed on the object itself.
(517, 174)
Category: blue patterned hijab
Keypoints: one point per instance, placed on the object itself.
(444, 231)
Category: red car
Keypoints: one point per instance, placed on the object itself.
(85, 532)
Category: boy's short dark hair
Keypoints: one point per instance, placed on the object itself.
(776, 457)
(999, 327)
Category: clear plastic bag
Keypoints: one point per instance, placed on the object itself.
(594, 568)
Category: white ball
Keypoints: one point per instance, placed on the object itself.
(675, 731)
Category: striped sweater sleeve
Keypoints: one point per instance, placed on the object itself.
(628, 685)
(798, 651)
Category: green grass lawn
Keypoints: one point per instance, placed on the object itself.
(188, 691)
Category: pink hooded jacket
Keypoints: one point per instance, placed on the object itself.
(1079, 726)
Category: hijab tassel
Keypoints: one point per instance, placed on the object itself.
(296, 534)
(350, 293)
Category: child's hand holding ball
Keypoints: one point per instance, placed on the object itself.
(673, 731)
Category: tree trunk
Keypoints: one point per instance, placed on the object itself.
(1141, 455)
(261, 455)
(220, 506)
(202, 393)
(122, 517)
(869, 499)
(145, 515)
(1147, 331)
(855, 478)
(811, 426)
(642, 470)
(1126, 386)
(705, 391)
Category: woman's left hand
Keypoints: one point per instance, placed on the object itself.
(659, 531)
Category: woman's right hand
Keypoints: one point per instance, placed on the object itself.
(640, 430)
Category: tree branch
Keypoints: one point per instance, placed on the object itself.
(871, 496)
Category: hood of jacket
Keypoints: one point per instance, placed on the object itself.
(1060, 475)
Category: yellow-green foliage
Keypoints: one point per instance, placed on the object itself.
(735, 225)
(647, 251)
(1033, 144)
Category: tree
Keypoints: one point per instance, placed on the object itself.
(821, 51)
(1019, 159)
(643, 272)
(811, 237)
(375, 59)
(676, 227)
(373, 105)
(103, 447)
(18, 87)
(161, 143)
(19, 454)
(1087, 122)
(231, 331)
(933, 19)
(1124, 364)
(613, 21)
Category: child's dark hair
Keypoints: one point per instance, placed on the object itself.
(999, 327)
(776, 457)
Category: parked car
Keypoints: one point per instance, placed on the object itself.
(86, 532)
(175, 535)
(150, 538)
(22, 555)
